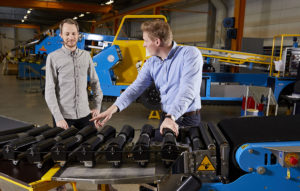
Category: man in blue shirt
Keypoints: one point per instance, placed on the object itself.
(177, 74)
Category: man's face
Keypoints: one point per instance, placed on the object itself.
(69, 35)
(152, 46)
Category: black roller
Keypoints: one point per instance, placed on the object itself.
(65, 149)
(52, 132)
(86, 131)
(197, 143)
(38, 130)
(115, 148)
(32, 132)
(87, 153)
(38, 152)
(6, 138)
(141, 150)
(14, 148)
(169, 151)
(208, 140)
(66, 133)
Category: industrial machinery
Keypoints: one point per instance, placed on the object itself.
(141, 150)
(65, 149)
(121, 62)
(169, 150)
(250, 153)
(114, 150)
(38, 154)
(88, 151)
(11, 151)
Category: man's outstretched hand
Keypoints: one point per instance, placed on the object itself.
(105, 116)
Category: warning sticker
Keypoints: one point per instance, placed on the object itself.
(206, 165)
(43, 48)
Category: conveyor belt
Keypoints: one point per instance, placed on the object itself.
(239, 131)
(8, 126)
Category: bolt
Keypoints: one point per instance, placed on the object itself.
(250, 169)
(250, 151)
(261, 170)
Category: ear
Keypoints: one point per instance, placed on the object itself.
(158, 42)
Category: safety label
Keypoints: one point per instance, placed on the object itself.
(206, 165)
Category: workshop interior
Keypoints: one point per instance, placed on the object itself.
(249, 135)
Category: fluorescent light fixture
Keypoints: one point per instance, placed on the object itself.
(87, 13)
(75, 18)
(25, 17)
(29, 11)
(109, 2)
(93, 37)
(22, 20)
(81, 15)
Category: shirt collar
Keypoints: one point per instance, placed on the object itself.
(172, 51)
(69, 52)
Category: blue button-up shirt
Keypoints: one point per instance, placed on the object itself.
(178, 79)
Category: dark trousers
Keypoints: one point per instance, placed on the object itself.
(191, 120)
(78, 123)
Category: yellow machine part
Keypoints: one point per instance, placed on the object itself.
(132, 53)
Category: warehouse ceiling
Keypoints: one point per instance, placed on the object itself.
(11, 14)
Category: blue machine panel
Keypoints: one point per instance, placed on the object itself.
(105, 61)
(262, 173)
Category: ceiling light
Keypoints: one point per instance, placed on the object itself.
(29, 11)
(87, 13)
(109, 2)
(81, 15)
(25, 17)
(75, 18)
(22, 20)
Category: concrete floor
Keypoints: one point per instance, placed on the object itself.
(17, 102)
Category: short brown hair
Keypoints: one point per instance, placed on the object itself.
(69, 21)
(158, 29)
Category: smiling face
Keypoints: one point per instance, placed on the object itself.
(151, 45)
(69, 35)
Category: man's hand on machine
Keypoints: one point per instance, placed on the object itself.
(104, 116)
(171, 124)
(62, 124)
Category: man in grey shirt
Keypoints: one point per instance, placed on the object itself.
(67, 71)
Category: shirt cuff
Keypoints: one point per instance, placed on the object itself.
(58, 117)
(119, 105)
(175, 114)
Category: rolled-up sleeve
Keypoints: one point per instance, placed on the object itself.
(50, 85)
(131, 93)
(190, 82)
(95, 85)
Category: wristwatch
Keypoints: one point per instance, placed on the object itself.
(171, 117)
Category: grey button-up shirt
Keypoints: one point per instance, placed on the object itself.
(66, 84)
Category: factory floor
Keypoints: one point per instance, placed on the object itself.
(22, 100)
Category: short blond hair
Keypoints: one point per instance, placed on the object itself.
(158, 29)
(69, 21)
